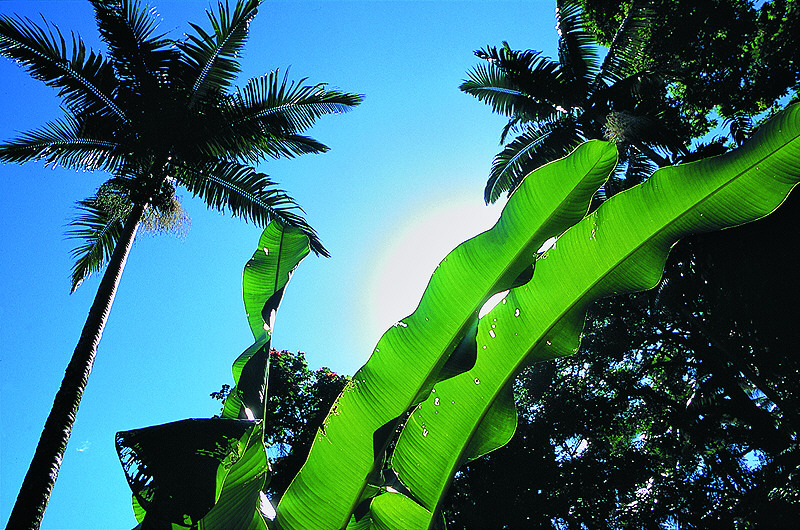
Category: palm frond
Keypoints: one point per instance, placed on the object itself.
(212, 59)
(85, 80)
(64, 142)
(541, 143)
(275, 103)
(531, 73)
(577, 51)
(741, 126)
(263, 119)
(246, 193)
(291, 145)
(634, 167)
(140, 56)
(98, 227)
(626, 55)
(492, 85)
(513, 126)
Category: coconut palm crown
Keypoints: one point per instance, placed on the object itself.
(156, 114)
(159, 113)
(555, 105)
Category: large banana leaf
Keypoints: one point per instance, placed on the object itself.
(209, 473)
(621, 247)
(348, 449)
(264, 279)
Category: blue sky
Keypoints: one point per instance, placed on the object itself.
(400, 187)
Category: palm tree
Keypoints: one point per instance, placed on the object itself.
(155, 113)
(555, 105)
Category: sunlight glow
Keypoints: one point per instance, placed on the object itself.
(413, 253)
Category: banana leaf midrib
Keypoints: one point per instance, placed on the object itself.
(674, 220)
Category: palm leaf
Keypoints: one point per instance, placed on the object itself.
(212, 59)
(637, 168)
(140, 58)
(263, 118)
(99, 230)
(85, 80)
(537, 77)
(539, 144)
(292, 106)
(492, 85)
(626, 55)
(246, 193)
(577, 51)
(63, 142)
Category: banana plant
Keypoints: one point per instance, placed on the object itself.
(451, 369)
(441, 377)
(209, 473)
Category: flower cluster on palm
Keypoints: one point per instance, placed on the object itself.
(555, 105)
(155, 113)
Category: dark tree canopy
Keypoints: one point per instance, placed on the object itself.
(728, 54)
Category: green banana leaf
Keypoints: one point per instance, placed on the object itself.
(280, 250)
(348, 450)
(619, 248)
(208, 474)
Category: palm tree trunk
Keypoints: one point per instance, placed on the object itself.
(43, 471)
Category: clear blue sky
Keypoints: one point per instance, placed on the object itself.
(401, 185)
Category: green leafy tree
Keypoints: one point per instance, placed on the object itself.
(553, 106)
(727, 56)
(642, 429)
(155, 113)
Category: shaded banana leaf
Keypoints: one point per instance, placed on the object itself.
(409, 357)
(241, 503)
(619, 248)
(177, 471)
(280, 250)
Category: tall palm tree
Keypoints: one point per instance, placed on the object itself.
(155, 113)
(555, 105)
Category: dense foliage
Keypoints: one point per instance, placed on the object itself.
(735, 56)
